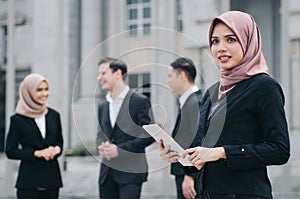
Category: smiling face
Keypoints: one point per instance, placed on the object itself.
(41, 93)
(107, 77)
(225, 47)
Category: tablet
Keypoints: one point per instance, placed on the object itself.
(159, 134)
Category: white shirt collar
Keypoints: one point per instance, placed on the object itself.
(186, 94)
(115, 105)
(121, 96)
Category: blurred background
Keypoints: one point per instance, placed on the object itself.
(64, 40)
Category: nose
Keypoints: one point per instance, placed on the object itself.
(45, 93)
(99, 76)
(222, 46)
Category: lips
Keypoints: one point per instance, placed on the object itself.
(224, 58)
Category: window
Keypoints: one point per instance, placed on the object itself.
(179, 26)
(139, 17)
(140, 83)
(19, 75)
(2, 109)
(3, 42)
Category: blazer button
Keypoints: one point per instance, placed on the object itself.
(242, 149)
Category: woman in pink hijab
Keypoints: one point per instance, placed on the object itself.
(35, 138)
(242, 120)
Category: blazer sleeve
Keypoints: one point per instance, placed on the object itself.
(59, 138)
(274, 148)
(14, 136)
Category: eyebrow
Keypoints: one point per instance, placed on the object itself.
(228, 35)
(41, 88)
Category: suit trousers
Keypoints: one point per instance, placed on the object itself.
(37, 194)
(210, 195)
(110, 189)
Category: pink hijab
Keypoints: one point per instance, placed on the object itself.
(26, 105)
(248, 34)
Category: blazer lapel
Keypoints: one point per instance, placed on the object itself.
(36, 131)
(107, 125)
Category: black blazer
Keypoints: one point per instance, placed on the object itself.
(251, 125)
(35, 172)
(186, 129)
(131, 165)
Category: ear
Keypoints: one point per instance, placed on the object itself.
(183, 75)
(118, 73)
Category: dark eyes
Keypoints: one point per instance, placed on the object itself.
(41, 89)
(228, 39)
(231, 39)
(214, 41)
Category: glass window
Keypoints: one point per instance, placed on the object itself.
(133, 29)
(147, 13)
(133, 81)
(19, 75)
(133, 14)
(3, 50)
(140, 83)
(146, 28)
(179, 26)
(132, 1)
(139, 17)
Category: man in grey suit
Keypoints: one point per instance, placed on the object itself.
(181, 77)
(121, 139)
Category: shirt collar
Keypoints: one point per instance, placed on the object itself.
(121, 96)
(186, 94)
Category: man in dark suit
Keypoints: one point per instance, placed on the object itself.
(121, 139)
(181, 77)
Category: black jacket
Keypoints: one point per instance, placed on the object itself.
(129, 136)
(35, 172)
(251, 125)
(185, 130)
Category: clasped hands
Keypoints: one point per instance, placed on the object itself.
(108, 150)
(47, 153)
(198, 155)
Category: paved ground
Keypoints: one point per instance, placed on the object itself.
(81, 175)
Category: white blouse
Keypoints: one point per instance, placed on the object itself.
(41, 123)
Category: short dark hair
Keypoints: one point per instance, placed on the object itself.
(114, 64)
(106, 60)
(187, 66)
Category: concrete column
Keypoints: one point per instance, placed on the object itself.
(285, 82)
(91, 37)
(116, 29)
(84, 110)
(10, 88)
(164, 42)
(50, 57)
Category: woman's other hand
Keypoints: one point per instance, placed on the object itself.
(166, 153)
